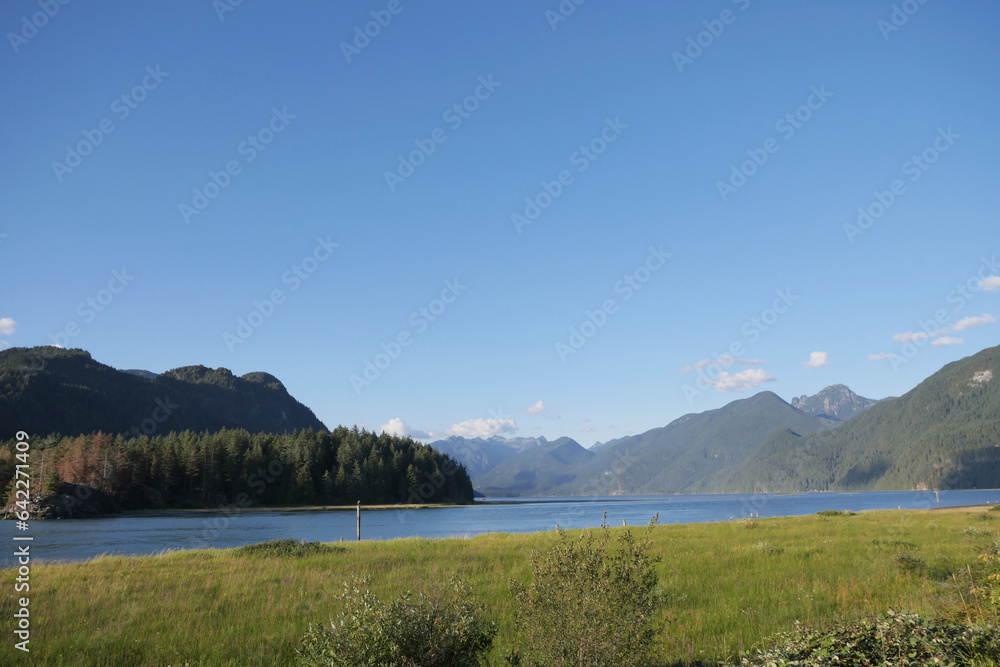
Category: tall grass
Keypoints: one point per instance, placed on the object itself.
(727, 588)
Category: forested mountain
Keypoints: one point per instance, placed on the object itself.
(537, 471)
(675, 458)
(47, 390)
(945, 433)
(836, 402)
(236, 467)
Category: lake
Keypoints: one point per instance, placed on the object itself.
(142, 535)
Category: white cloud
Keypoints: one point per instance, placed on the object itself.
(725, 361)
(816, 360)
(947, 340)
(969, 322)
(742, 381)
(398, 427)
(482, 428)
(990, 284)
(7, 326)
(879, 357)
(911, 337)
(587, 429)
(536, 409)
(584, 420)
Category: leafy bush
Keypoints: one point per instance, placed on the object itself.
(891, 543)
(590, 604)
(995, 508)
(895, 639)
(836, 513)
(440, 629)
(287, 548)
(908, 561)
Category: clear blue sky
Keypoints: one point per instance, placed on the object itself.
(671, 128)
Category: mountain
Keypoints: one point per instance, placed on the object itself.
(480, 455)
(679, 457)
(47, 390)
(536, 471)
(836, 402)
(945, 433)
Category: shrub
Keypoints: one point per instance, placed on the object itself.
(972, 531)
(287, 548)
(894, 639)
(440, 629)
(836, 513)
(995, 508)
(891, 543)
(908, 561)
(590, 604)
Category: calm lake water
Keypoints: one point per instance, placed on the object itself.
(84, 539)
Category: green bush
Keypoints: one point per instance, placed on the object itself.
(440, 629)
(836, 513)
(590, 603)
(287, 548)
(909, 562)
(901, 639)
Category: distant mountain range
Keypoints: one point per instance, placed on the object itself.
(46, 390)
(945, 433)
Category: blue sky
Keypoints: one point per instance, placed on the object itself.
(696, 169)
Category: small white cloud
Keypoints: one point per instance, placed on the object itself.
(911, 337)
(969, 322)
(7, 326)
(816, 360)
(536, 409)
(398, 427)
(990, 284)
(947, 340)
(482, 428)
(742, 381)
(879, 357)
(584, 420)
(587, 429)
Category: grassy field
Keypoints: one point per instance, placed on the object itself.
(729, 586)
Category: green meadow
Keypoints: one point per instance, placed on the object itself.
(729, 586)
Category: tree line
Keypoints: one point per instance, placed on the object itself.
(188, 469)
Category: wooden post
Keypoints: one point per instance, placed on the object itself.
(623, 522)
(359, 521)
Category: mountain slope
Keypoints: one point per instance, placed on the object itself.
(47, 390)
(945, 433)
(536, 471)
(679, 457)
(480, 455)
(836, 402)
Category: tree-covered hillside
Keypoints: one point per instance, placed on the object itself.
(945, 433)
(47, 390)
